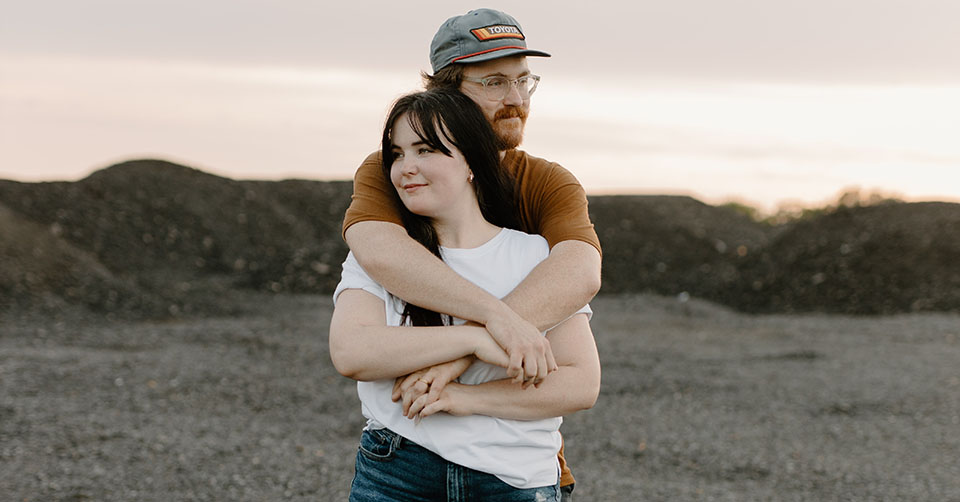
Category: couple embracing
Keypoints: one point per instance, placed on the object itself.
(462, 308)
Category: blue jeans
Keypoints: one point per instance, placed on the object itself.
(391, 468)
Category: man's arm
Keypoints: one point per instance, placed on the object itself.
(559, 286)
(553, 291)
(409, 271)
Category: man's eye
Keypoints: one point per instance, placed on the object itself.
(496, 82)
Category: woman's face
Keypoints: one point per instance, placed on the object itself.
(429, 182)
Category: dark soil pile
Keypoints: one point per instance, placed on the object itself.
(160, 238)
(669, 245)
(865, 260)
(152, 238)
(881, 259)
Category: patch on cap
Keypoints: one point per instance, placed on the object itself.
(497, 31)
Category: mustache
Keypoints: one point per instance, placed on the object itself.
(509, 112)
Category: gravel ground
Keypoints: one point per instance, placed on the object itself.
(697, 403)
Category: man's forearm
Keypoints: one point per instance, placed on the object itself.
(408, 270)
(553, 291)
(559, 286)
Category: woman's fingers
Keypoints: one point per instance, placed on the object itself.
(401, 384)
(417, 390)
(417, 406)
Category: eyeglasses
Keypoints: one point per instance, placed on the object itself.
(496, 88)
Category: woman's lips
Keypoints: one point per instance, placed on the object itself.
(412, 187)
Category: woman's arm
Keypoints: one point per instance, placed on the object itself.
(363, 347)
(575, 386)
(408, 270)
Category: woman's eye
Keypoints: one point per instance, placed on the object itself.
(396, 155)
(424, 150)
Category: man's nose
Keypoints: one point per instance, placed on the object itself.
(513, 97)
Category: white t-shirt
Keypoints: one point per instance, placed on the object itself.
(522, 453)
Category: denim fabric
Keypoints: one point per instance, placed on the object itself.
(390, 468)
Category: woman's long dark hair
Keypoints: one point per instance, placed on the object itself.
(450, 113)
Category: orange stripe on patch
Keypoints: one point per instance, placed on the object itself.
(497, 31)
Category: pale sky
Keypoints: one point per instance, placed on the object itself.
(763, 102)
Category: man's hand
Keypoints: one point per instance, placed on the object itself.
(424, 386)
(531, 357)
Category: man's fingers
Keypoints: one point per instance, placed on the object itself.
(542, 368)
(515, 370)
(551, 361)
(530, 369)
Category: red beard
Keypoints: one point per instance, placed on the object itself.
(509, 138)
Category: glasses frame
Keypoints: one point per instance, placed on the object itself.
(515, 82)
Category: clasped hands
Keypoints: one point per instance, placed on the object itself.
(513, 344)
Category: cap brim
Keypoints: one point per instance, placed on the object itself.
(500, 53)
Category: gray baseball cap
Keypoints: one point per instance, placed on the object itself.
(478, 35)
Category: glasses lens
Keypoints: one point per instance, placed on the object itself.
(497, 88)
(526, 85)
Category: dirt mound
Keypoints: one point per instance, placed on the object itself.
(153, 238)
(182, 234)
(669, 245)
(39, 268)
(863, 260)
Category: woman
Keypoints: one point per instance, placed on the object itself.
(484, 437)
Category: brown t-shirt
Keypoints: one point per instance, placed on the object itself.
(550, 200)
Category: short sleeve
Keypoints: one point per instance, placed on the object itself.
(354, 276)
(552, 202)
(373, 198)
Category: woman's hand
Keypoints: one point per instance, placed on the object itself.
(428, 383)
(450, 401)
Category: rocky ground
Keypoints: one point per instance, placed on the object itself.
(698, 403)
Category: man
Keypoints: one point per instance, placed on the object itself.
(484, 54)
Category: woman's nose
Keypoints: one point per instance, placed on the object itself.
(409, 165)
